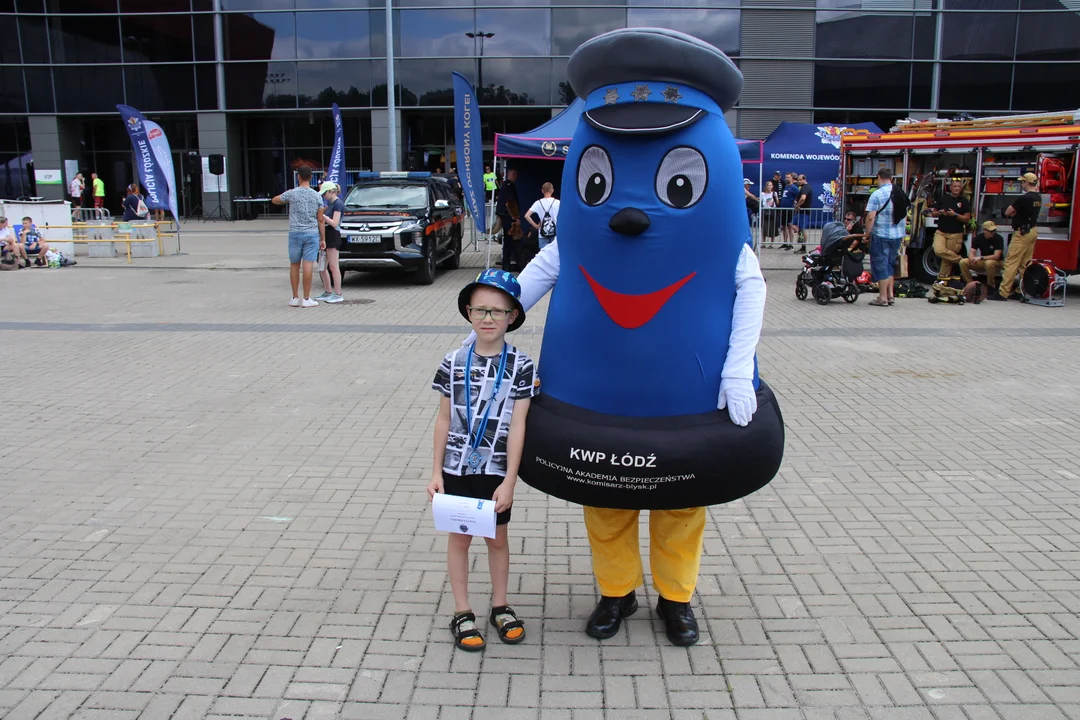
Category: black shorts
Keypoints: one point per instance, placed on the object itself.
(481, 487)
(333, 239)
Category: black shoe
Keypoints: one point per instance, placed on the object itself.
(786, 246)
(1017, 296)
(801, 250)
(679, 621)
(994, 295)
(607, 618)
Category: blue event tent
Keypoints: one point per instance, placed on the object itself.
(813, 150)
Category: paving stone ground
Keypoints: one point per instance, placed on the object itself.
(212, 506)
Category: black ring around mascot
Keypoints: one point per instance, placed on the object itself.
(654, 463)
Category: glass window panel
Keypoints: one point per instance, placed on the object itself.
(39, 90)
(299, 133)
(428, 129)
(204, 36)
(979, 36)
(7, 6)
(33, 38)
(88, 88)
(157, 6)
(718, 27)
(344, 4)
(333, 35)
(257, 4)
(922, 80)
(347, 83)
(435, 33)
(975, 86)
(59, 7)
(427, 3)
(573, 26)
(9, 50)
(377, 25)
(12, 96)
(863, 35)
(160, 87)
(260, 36)
(1048, 36)
(83, 40)
(206, 87)
(263, 132)
(1046, 86)
(561, 92)
(861, 84)
(421, 86)
(516, 32)
(509, 81)
(257, 85)
(925, 29)
(202, 5)
(980, 4)
(685, 3)
(156, 38)
(30, 6)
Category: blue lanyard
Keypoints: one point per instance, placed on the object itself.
(474, 444)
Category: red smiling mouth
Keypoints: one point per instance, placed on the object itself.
(633, 311)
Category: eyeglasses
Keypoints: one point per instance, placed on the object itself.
(496, 314)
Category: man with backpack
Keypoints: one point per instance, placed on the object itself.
(546, 210)
(886, 221)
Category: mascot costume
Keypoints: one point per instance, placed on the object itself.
(653, 323)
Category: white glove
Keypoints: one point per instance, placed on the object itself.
(738, 396)
(469, 340)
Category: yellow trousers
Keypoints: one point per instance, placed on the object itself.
(947, 248)
(992, 268)
(1021, 248)
(674, 550)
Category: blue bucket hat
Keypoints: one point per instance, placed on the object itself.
(500, 280)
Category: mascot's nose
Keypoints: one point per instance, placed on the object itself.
(629, 221)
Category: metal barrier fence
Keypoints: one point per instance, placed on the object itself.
(779, 227)
(88, 214)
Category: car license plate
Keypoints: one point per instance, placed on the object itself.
(365, 239)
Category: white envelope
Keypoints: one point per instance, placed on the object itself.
(464, 515)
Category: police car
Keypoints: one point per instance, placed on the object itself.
(408, 221)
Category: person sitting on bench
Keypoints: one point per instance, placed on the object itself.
(32, 243)
(985, 255)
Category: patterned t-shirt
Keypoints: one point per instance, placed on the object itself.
(518, 382)
(304, 204)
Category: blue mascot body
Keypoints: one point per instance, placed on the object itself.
(652, 235)
(639, 324)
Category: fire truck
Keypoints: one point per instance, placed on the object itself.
(988, 155)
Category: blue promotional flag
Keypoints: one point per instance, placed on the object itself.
(337, 157)
(151, 174)
(470, 149)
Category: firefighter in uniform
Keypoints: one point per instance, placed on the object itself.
(1025, 214)
(952, 212)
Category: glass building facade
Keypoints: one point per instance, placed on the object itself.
(253, 79)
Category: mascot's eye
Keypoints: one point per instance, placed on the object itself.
(594, 176)
(681, 179)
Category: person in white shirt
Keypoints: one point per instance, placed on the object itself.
(76, 190)
(770, 200)
(546, 211)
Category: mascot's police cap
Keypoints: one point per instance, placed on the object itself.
(651, 80)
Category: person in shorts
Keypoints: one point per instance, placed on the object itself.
(31, 243)
(886, 236)
(486, 390)
(306, 228)
(333, 211)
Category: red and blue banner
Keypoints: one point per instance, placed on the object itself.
(153, 160)
(470, 149)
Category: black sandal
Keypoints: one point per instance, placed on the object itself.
(506, 628)
(460, 636)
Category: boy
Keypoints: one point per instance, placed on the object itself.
(487, 387)
(32, 243)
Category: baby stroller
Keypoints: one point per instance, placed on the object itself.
(824, 274)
